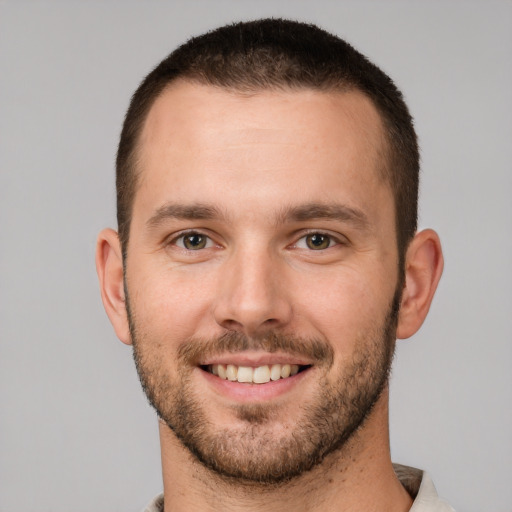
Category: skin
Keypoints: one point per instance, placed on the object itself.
(255, 159)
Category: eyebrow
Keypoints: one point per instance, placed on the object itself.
(301, 213)
(195, 211)
(334, 211)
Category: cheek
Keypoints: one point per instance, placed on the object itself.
(345, 305)
(169, 303)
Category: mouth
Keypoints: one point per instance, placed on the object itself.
(254, 374)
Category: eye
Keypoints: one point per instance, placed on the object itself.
(193, 241)
(316, 241)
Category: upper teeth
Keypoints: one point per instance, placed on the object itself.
(258, 375)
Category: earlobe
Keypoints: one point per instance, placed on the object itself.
(109, 266)
(423, 269)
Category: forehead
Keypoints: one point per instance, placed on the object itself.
(197, 138)
(189, 110)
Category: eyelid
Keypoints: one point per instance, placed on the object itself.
(172, 239)
(337, 238)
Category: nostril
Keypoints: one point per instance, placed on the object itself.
(232, 325)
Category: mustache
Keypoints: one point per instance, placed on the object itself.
(195, 350)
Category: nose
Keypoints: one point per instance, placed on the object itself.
(251, 295)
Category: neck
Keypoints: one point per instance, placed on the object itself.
(359, 476)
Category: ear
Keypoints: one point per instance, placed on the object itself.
(109, 266)
(423, 269)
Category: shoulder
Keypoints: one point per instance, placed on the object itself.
(421, 488)
(156, 504)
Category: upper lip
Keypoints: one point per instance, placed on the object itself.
(255, 359)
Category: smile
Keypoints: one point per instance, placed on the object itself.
(254, 375)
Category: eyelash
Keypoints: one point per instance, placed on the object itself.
(182, 236)
(333, 241)
(209, 243)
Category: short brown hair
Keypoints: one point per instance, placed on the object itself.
(278, 54)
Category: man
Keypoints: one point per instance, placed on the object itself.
(266, 261)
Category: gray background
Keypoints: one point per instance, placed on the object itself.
(75, 430)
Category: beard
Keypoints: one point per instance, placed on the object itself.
(263, 446)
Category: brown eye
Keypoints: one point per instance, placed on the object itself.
(193, 241)
(317, 241)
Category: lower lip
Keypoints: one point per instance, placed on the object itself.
(242, 392)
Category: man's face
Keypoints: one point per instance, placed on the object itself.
(262, 242)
